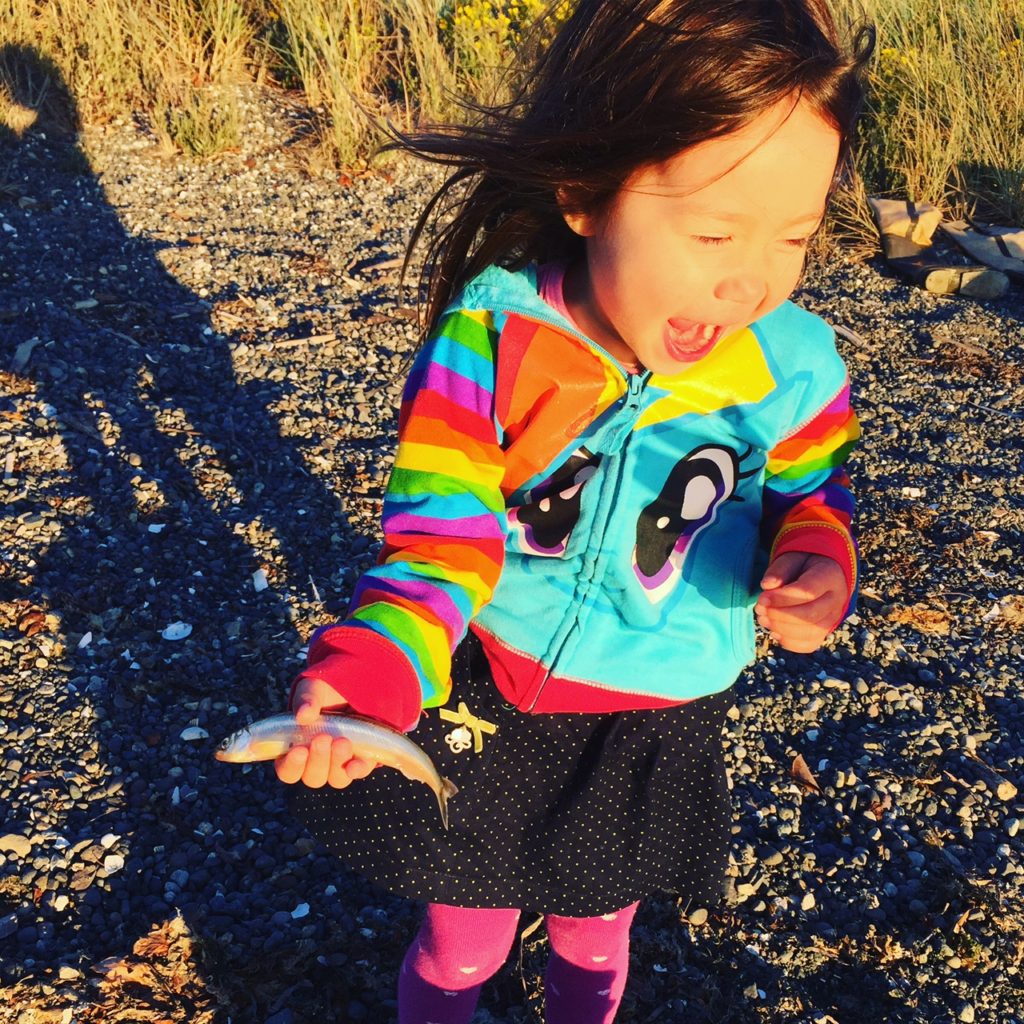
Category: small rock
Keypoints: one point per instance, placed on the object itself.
(15, 844)
(113, 863)
(176, 631)
(1006, 791)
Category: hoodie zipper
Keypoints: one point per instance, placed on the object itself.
(619, 441)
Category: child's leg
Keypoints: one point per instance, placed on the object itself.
(456, 951)
(587, 969)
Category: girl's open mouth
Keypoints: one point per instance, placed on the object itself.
(688, 341)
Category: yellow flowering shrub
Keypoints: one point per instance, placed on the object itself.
(485, 35)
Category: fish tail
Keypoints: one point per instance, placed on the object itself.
(448, 789)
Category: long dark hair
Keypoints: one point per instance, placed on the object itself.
(624, 84)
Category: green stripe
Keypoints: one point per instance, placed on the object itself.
(826, 462)
(411, 483)
(405, 629)
(470, 333)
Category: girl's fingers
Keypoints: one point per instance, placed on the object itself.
(817, 576)
(327, 761)
(318, 766)
(306, 712)
(804, 627)
(804, 590)
(357, 768)
(784, 570)
(821, 612)
(797, 635)
(803, 644)
(339, 775)
(290, 766)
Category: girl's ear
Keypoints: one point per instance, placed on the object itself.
(580, 223)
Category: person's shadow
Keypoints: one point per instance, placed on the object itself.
(155, 482)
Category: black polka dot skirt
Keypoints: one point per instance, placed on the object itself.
(569, 814)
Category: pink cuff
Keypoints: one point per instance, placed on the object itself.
(370, 672)
(822, 539)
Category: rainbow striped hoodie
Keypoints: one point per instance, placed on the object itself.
(602, 532)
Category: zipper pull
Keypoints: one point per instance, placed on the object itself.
(635, 385)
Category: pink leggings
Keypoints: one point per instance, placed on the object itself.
(458, 949)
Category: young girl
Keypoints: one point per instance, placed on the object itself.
(619, 440)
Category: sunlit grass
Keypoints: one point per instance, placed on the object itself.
(945, 122)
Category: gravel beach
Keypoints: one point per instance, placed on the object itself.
(199, 371)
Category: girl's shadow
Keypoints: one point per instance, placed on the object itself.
(158, 482)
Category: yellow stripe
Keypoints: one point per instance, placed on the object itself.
(429, 458)
(733, 373)
(471, 582)
(613, 387)
(850, 432)
(428, 639)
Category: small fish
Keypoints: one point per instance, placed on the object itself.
(371, 740)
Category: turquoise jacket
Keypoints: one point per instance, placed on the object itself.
(602, 532)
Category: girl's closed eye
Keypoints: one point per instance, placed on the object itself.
(713, 239)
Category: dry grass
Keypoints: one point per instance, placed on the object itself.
(946, 116)
(945, 122)
(934, 621)
(358, 63)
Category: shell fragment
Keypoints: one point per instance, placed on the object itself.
(176, 631)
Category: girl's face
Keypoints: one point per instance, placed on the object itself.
(706, 243)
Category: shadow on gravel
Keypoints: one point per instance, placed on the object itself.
(158, 484)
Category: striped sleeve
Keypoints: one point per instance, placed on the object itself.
(808, 504)
(444, 530)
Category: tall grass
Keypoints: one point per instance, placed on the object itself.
(334, 49)
(88, 43)
(197, 51)
(174, 60)
(945, 122)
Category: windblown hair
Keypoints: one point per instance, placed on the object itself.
(625, 84)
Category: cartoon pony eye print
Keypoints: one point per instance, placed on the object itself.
(689, 501)
(543, 523)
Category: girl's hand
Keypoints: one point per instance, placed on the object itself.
(326, 761)
(802, 598)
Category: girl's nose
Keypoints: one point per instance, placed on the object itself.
(745, 288)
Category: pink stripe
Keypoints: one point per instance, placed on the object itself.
(430, 596)
(458, 388)
(842, 401)
(472, 527)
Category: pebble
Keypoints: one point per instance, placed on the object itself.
(16, 845)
